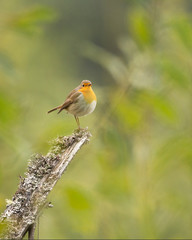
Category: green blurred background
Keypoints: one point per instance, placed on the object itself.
(134, 179)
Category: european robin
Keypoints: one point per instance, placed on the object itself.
(81, 101)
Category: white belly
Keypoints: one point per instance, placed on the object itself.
(81, 107)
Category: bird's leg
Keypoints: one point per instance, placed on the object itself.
(78, 123)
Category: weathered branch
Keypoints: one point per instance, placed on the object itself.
(31, 231)
(42, 174)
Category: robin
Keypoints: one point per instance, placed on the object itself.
(81, 101)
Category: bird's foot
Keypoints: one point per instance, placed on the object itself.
(80, 129)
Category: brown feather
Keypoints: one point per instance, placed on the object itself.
(69, 100)
(65, 105)
(53, 109)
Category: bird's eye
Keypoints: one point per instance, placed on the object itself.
(83, 85)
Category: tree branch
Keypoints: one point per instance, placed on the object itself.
(41, 176)
(31, 232)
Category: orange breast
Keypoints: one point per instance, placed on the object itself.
(88, 94)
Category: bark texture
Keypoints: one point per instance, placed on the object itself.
(42, 174)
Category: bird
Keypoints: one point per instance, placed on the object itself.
(81, 101)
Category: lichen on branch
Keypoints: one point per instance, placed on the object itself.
(42, 174)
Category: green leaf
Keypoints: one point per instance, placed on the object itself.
(30, 21)
(182, 27)
(174, 73)
(140, 26)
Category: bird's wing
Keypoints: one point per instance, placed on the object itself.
(73, 91)
(74, 96)
(70, 99)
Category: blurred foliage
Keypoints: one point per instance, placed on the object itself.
(29, 21)
(134, 179)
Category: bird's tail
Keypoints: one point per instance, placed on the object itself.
(56, 108)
